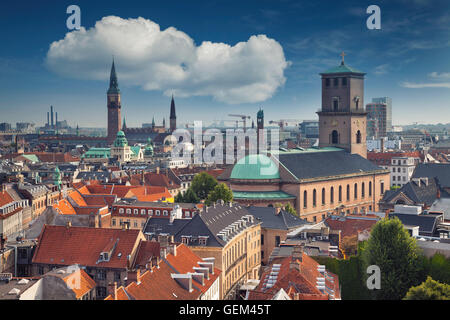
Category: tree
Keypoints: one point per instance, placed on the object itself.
(290, 209)
(190, 196)
(179, 198)
(395, 252)
(202, 184)
(220, 192)
(349, 245)
(429, 290)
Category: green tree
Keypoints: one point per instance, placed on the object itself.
(438, 267)
(429, 290)
(290, 209)
(220, 192)
(190, 196)
(396, 253)
(202, 184)
(179, 198)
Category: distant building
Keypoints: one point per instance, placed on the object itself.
(379, 118)
(402, 169)
(4, 126)
(388, 102)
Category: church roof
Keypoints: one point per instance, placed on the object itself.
(342, 68)
(255, 167)
(262, 195)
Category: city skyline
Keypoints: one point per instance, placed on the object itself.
(282, 49)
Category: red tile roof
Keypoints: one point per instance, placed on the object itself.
(145, 252)
(61, 245)
(351, 225)
(158, 284)
(5, 198)
(80, 283)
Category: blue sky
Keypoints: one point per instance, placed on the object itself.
(408, 59)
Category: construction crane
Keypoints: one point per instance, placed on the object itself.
(243, 117)
(234, 121)
(284, 122)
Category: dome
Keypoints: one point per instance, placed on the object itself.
(255, 167)
(120, 141)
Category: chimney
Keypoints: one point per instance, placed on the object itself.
(184, 280)
(134, 276)
(297, 257)
(4, 187)
(112, 290)
(173, 249)
(163, 253)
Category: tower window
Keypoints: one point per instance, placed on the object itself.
(358, 137)
(327, 82)
(335, 104)
(305, 199)
(334, 137)
(336, 82)
(344, 81)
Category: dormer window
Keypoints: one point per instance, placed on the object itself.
(185, 239)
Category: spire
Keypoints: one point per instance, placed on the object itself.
(172, 109)
(164, 122)
(124, 125)
(113, 83)
(153, 122)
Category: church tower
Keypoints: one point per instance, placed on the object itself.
(173, 117)
(260, 128)
(114, 105)
(343, 119)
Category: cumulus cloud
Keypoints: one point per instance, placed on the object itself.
(170, 61)
(425, 85)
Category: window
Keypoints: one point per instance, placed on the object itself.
(101, 292)
(332, 195)
(344, 81)
(165, 212)
(135, 224)
(370, 188)
(101, 274)
(187, 214)
(142, 211)
(277, 241)
(116, 276)
(340, 193)
(327, 82)
(393, 178)
(158, 212)
(150, 212)
(336, 82)
(334, 137)
(348, 192)
(305, 197)
(335, 104)
(262, 239)
(382, 187)
(185, 240)
(323, 195)
(114, 222)
(356, 191)
(314, 198)
(358, 137)
(315, 219)
(363, 191)
(121, 210)
(129, 211)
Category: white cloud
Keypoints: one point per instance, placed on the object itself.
(425, 85)
(439, 75)
(170, 61)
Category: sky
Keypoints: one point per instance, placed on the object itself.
(219, 58)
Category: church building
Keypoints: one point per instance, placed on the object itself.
(336, 177)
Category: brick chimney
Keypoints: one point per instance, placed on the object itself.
(297, 257)
(112, 290)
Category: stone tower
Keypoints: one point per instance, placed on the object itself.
(114, 106)
(173, 117)
(343, 119)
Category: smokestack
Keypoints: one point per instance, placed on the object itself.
(51, 112)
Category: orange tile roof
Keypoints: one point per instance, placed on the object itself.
(80, 283)
(5, 198)
(64, 207)
(61, 245)
(351, 227)
(158, 284)
(145, 252)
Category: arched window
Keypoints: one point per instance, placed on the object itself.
(314, 198)
(334, 137)
(305, 199)
(323, 195)
(358, 137)
(370, 188)
(348, 192)
(363, 191)
(335, 104)
(340, 193)
(356, 191)
(331, 195)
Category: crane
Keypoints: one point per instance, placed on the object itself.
(284, 122)
(242, 116)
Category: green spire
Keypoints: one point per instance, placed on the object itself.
(121, 140)
(57, 177)
(124, 125)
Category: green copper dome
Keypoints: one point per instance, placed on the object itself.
(255, 167)
(121, 140)
(149, 148)
(342, 68)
